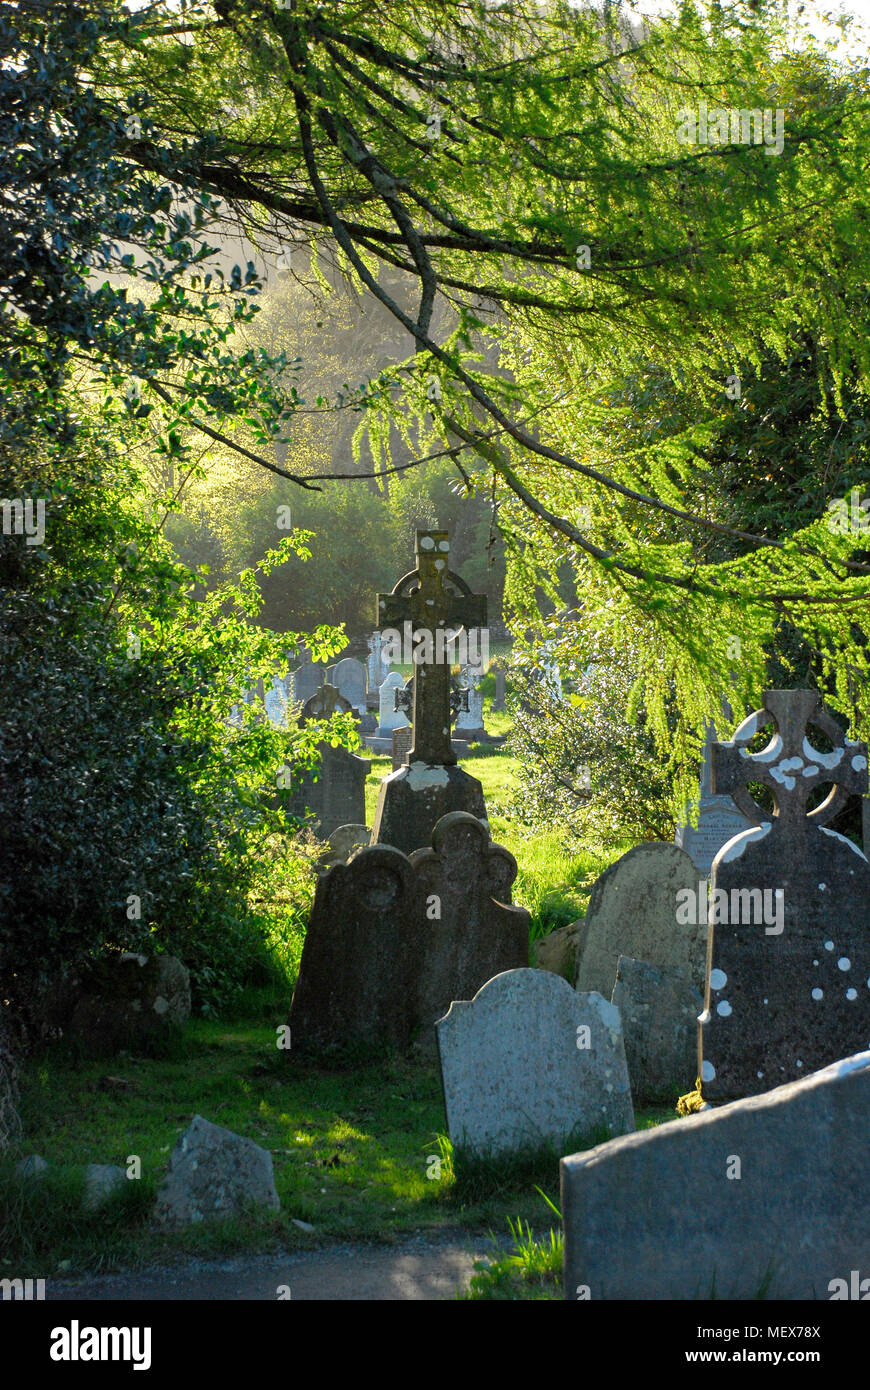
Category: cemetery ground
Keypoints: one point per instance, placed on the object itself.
(360, 1154)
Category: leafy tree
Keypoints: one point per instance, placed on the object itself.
(526, 167)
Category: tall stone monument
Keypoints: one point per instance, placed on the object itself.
(788, 977)
(433, 599)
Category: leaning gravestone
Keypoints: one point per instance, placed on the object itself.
(718, 819)
(392, 940)
(349, 676)
(763, 1198)
(660, 1023)
(788, 989)
(633, 911)
(528, 1062)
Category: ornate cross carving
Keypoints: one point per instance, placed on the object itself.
(790, 766)
(434, 599)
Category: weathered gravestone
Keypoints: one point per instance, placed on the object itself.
(390, 717)
(719, 820)
(349, 676)
(214, 1173)
(392, 940)
(307, 678)
(434, 601)
(402, 739)
(763, 1198)
(529, 1062)
(659, 1015)
(377, 665)
(335, 791)
(633, 911)
(788, 986)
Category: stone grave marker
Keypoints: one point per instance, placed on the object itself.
(392, 940)
(391, 718)
(788, 987)
(529, 1062)
(633, 911)
(659, 1015)
(718, 819)
(335, 792)
(275, 701)
(402, 739)
(349, 676)
(377, 665)
(307, 678)
(435, 601)
(762, 1198)
(498, 702)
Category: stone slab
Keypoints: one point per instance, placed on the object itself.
(515, 1075)
(633, 912)
(660, 1022)
(214, 1173)
(655, 1215)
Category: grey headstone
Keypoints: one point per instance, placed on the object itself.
(402, 739)
(529, 1062)
(498, 702)
(633, 911)
(718, 818)
(214, 1173)
(469, 722)
(307, 680)
(349, 675)
(34, 1166)
(336, 793)
(763, 1198)
(389, 718)
(789, 985)
(660, 1023)
(377, 665)
(343, 842)
(102, 1180)
(393, 940)
(275, 701)
(557, 951)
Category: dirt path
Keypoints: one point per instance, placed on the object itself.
(422, 1267)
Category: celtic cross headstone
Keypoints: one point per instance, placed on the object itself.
(788, 978)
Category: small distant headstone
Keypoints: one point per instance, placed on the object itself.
(349, 676)
(392, 940)
(102, 1181)
(529, 1063)
(275, 701)
(389, 717)
(378, 665)
(469, 721)
(307, 678)
(659, 1015)
(788, 989)
(633, 911)
(214, 1173)
(402, 739)
(761, 1199)
(498, 702)
(326, 701)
